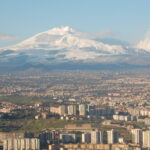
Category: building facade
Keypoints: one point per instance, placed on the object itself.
(21, 144)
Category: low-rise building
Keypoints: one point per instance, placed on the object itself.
(21, 144)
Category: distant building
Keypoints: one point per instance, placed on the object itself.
(93, 147)
(54, 109)
(54, 147)
(6, 135)
(37, 117)
(96, 137)
(133, 112)
(62, 110)
(102, 111)
(86, 138)
(82, 109)
(68, 138)
(38, 104)
(112, 137)
(136, 136)
(44, 136)
(72, 110)
(101, 137)
(21, 144)
(121, 140)
(146, 139)
(43, 115)
(122, 117)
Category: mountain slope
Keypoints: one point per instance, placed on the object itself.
(69, 43)
(64, 45)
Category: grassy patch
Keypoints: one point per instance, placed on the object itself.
(23, 99)
(34, 125)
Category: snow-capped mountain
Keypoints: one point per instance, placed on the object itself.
(69, 42)
(64, 44)
(64, 37)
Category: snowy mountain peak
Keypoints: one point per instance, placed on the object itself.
(67, 38)
(64, 44)
(61, 30)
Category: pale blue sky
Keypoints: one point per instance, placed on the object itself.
(128, 19)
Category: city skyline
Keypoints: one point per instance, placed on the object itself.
(74, 75)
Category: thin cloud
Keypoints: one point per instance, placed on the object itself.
(145, 43)
(102, 34)
(7, 37)
(96, 35)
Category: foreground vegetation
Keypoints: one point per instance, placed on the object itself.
(24, 99)
(31, 125)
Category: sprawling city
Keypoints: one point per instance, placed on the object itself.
(106, 110)
(74, 75)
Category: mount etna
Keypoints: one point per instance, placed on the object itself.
(66, 48)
